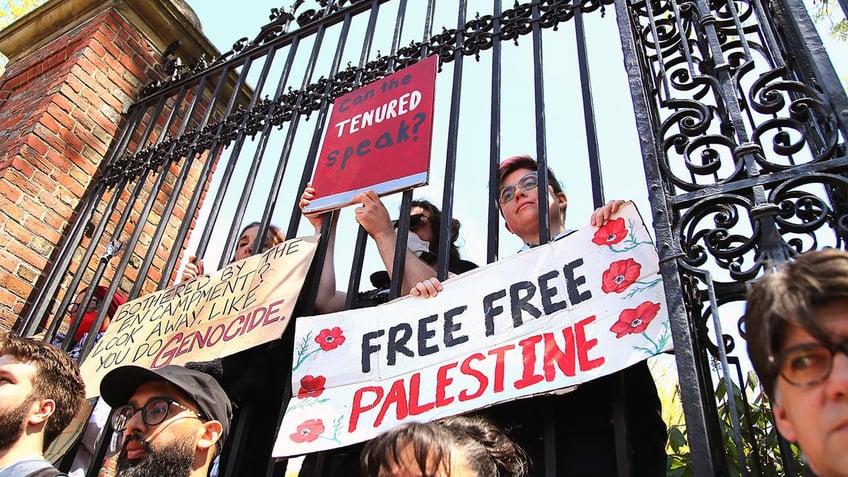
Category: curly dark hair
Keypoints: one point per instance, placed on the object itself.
(486, 449)
(436, 223)
(57, 378)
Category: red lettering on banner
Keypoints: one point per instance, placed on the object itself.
(404, 398)
(414, 395)
(358, 408)
(212, 335)
(469, 371)
(499, 366)
(397, 397)
(167, 353)
(528, 355)
(564, 359)
(239, 320)
(583, 346)
(442, 382)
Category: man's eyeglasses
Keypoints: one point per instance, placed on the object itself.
(527, 183)
(415, 220)
(809, 363)
(93, 305)
(152, 413)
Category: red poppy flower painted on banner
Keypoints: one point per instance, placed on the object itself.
(620, 275)
(330, 339)
(308, 431)
(633, 321)
(611, 233)
(311, 386)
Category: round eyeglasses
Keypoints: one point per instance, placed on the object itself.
(527, 182)
(152, 413)
(93, 305)
(810, 363)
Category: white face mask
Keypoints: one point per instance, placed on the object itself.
(416, 245)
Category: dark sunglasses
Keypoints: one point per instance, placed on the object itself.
(415, 220)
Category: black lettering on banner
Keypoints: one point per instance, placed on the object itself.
(451, 327)
(519, 297)
(548, 293)
(368, 349)
(398, 337)
(490, 311)
(572, 282)
(425, 333)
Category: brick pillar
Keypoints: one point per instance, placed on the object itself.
(75, 67)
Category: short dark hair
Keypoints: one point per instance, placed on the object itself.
(510, 164)
(786, 296)
(57, 378)
(488, 449)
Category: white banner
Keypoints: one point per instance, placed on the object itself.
(585, 306)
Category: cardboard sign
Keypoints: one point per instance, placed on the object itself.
(585, 306)
(245, 304)
(378, 137)
(69, 436)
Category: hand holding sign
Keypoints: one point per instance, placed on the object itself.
(373, 216)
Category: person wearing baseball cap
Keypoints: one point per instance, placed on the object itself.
(175, 420)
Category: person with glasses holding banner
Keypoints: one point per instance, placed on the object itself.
(174, 420)
(796, 326)
(581, 418)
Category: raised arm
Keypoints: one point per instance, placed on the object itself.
(374, 218)
(328, 298)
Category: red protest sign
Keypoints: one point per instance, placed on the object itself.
(378, 137)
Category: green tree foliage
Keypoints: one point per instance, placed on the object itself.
(11, 10)
(824, 13)
(759, 436)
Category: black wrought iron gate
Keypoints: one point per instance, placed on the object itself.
(739, 116)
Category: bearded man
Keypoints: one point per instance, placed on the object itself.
(41, 391)
(174, 420)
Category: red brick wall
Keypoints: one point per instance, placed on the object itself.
(60, 109)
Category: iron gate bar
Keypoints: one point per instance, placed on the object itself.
(156, 239)
(699, 440)
(64, 252)
(258, 156)
(399, 259)
(736, 435)
(188, 150)
(451, 152)
(104, 259)
(493, 212)
(235, 136)
(588, 111)
(541, 126)
(808, 45)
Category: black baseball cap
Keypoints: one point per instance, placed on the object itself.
(118, 386)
